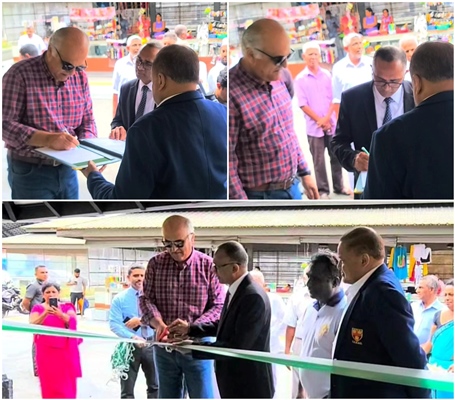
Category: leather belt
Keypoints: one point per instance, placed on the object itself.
(35, 161)
(284, 185)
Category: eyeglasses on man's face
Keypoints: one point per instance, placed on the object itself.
(66, 66)
(142, 63)
(381, 83)
(218, 267)
(168, 244)
(277, 60)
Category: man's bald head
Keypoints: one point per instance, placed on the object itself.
(69, 36)
(175, 222)
(260, 32)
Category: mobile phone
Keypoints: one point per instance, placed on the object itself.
(126, 320)
(53, 302)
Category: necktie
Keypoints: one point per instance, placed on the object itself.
(226, 304)
(388, 112)
(141, 108)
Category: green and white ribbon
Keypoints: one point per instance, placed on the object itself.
(443, 381)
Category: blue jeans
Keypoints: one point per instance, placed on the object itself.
(293, 193)
(176, 370)
(44, 182)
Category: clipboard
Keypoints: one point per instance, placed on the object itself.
(100, 151)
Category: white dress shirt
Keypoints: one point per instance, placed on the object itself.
(396, 105)
(277, 326)
(351, 292)
(150, 103)
(346, 75)
(124, 71)
(213, 76)
(36, 40)
(234, 286)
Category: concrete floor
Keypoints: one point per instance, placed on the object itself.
(100, 87)
(96, 370)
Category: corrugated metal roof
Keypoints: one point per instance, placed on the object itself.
(440, 216)
(59, 223)
(42, 239)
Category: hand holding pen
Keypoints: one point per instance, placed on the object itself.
(361, 160)
(74, 140)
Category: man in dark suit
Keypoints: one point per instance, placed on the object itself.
(377, 327)
(412, 157)
(177, 151)
(129, 107)
(244, 324)
(366, 107)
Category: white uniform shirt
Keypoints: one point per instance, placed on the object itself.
(346, 75)
(319, 330)
(213, 76)
(124, 71)
(277, 325)
(150, 103)
(36, 40)
(295, 309)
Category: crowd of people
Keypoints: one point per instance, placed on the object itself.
(179, 146)
(373, 115)
(185, 296)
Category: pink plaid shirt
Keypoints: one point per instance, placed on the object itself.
(33, 101)
(263, 146)
(192, 292)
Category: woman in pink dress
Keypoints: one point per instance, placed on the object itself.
(57, 358)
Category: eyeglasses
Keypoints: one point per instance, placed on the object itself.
(217, 267)
(168, 244)
(143, 63)
(66, 66)
(277, 60)
(382, 84)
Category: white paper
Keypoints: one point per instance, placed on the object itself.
(73, 156)
(116, 146)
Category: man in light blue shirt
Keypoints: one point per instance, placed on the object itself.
(425, 309)
(125, 322)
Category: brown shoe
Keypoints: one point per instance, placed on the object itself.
(344, 192)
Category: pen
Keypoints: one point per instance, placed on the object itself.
(66, 131)
(365, 151)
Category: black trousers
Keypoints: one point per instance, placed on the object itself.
(143, 357)
(74, 298)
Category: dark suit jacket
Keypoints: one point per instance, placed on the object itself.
(386, 321)
(125, 113)
(178, 151)
(357, 122)
(412, 156)
(245, 325)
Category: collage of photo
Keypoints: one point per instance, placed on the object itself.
(189, 208)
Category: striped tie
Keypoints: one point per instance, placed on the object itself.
(141, 108)
(388, 111)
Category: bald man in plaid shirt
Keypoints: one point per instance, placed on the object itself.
(180, 283)
(265, 159)
(47, 103)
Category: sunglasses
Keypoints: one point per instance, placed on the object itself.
(277, 60)
(168, 244)
(66, 66)
(145, 64)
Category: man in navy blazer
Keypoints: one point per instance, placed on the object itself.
(177, 151)
(412, 156)
(131, 92)
(363, 108)
(377, 327)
